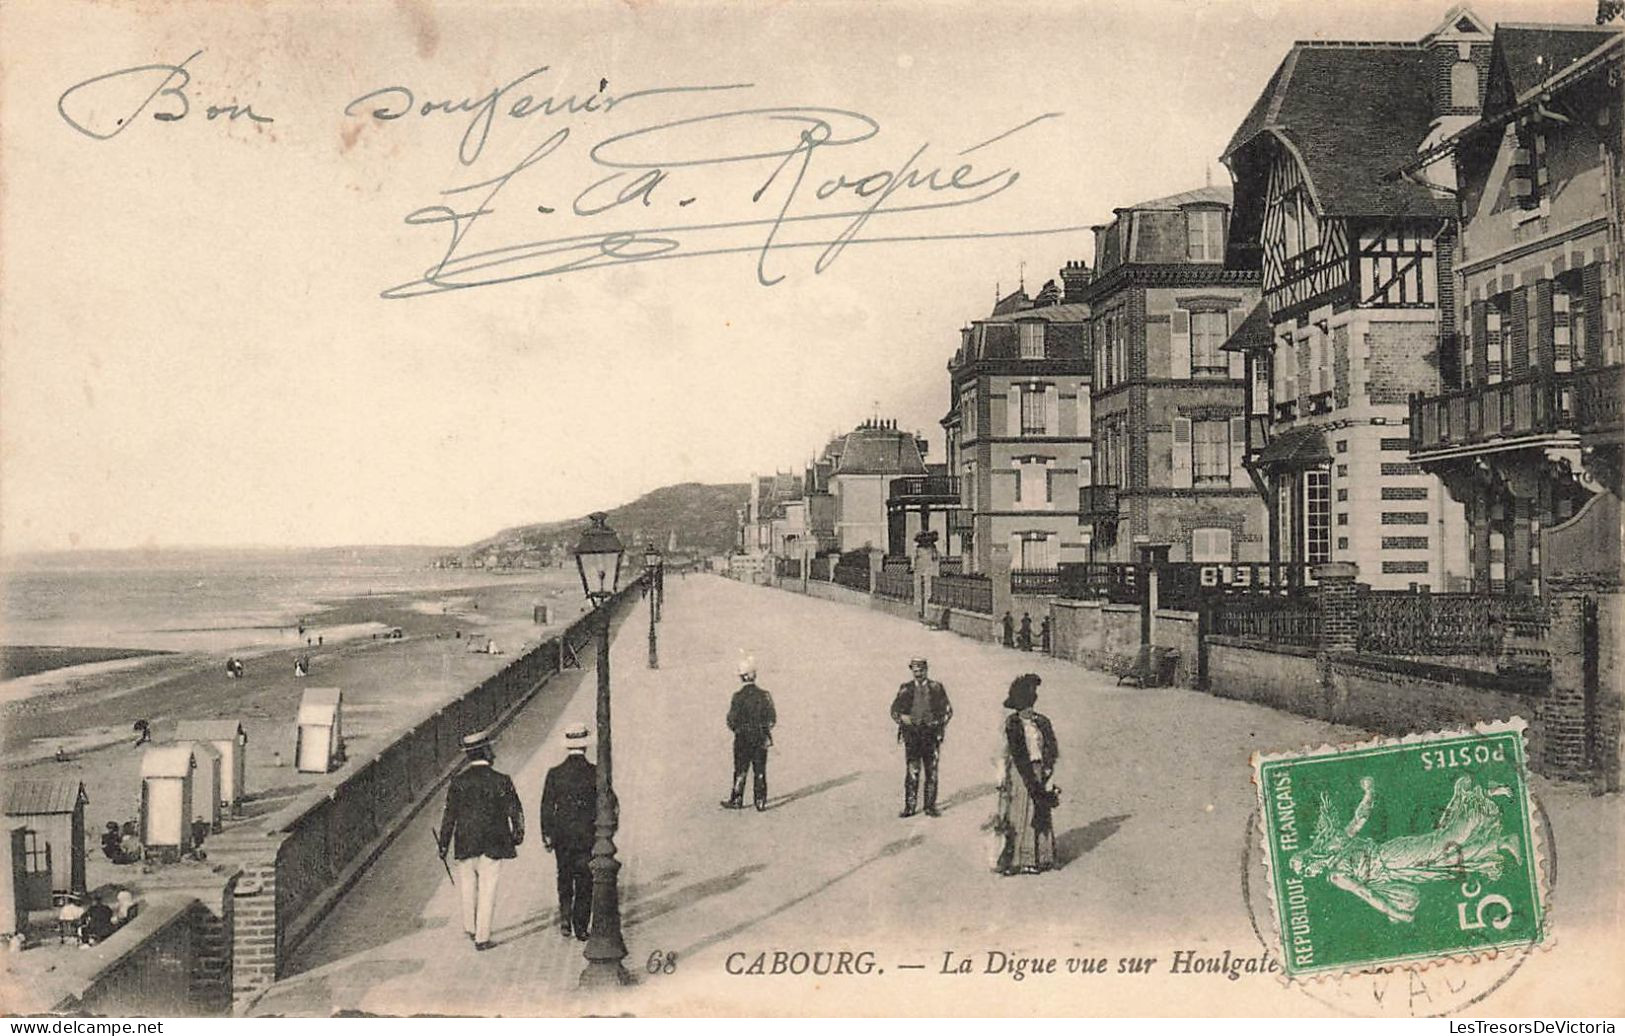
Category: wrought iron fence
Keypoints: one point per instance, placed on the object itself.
(1188, 583)
(820, 569)
(951, 566)
(1278, 620)
(852, 570)
(1400, 622)
(966, 593)
(788, 568)
(1100, 580)
(1035, 581)
(896, 583)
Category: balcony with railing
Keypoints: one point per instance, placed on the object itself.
(1097, 502)
(916, 490)
(1585, 403)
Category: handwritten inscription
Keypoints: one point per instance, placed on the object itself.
(106, 105)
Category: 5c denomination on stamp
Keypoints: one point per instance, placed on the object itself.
(1404, 850)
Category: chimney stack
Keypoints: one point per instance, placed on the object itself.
(1075, 277)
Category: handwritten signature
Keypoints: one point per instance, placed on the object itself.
(636, 166)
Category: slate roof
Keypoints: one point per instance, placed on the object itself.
(1255, 332)
(1299, 448)
(36, 797)
(1354, 115)
(880, 451)
(1525, 56)
(1219, 195)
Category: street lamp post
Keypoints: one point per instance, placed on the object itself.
(598, 557)
(651, 561)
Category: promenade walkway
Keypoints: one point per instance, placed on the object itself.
(1153, 833)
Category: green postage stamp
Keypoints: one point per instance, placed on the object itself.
(1401, 850)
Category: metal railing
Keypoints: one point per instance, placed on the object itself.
(1584, 401)
(1116, 582)
(1187, 583)
(1275, 620)
(788, 568)
(1035, 581)
(934, 488)
(896, 583)
(1400, 622)
(1097, 501)
(852, 570)
(963, 593)
(820, 569)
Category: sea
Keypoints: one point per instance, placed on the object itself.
(206, 600)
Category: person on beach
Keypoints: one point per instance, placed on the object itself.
(482, 825)
(97, 923)
(921, 711)
(110, 843)
(143, 731)
(130, 843)
(569, 810)
(1026, 800)
(751, 717)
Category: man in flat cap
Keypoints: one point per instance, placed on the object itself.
(569, 810)
(751, 718)
(921, 711)
(483, 825)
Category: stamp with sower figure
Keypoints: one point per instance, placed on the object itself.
(1401, 850)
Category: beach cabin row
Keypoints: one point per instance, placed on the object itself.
(45, 825)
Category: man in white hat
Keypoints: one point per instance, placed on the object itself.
(483, 821)
(569, 810)
(751, 718)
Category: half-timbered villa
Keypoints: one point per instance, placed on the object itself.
(1356, 256)
(1527, 430)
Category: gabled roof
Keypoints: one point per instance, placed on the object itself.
(36, 797)
(1353, 115)
(1065, 313)
(1526, 57)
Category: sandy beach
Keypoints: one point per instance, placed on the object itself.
(87, 711)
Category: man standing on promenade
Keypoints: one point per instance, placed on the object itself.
(484, 820)
(751, 718)
(569, 809)
(921, 711)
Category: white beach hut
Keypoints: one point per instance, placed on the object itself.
(318, 746)
(228, 738)
(166, 801)
(206, 770)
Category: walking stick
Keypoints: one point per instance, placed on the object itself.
(442, 856)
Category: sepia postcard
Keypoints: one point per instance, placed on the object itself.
(673, 508)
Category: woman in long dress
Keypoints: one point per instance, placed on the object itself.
(1026, 800)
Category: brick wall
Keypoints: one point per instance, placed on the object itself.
(1403, 358)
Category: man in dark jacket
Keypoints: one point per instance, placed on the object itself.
(569, 810)
(921, 711)
(751, 718)
(485, 824)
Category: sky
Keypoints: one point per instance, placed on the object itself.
(257, 328)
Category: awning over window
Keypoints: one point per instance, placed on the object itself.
(1254, 335)
(1299, 448)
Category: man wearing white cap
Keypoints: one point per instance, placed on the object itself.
(569, 809)
(485, 824)
(751, 718)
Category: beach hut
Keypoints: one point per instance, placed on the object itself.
(229, 739)
(12, 881)
(319, 744)
(205, 783)
(166, 801)
(52, 815)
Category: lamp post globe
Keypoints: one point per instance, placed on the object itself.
(598, 557)
(651, 562)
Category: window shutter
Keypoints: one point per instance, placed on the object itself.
(1238, 369)
(1085, 414)
(1052, 552)
(1015, 552)
(1219, 544)
(1179, 350)
(1478, 363)
(1086, 475)
(1013, 412)
(1181, 455)
(1541, 351)
(1052, 410)
(1591, 282)
(1519, 332)
(1201, 545)
(1238, 453)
